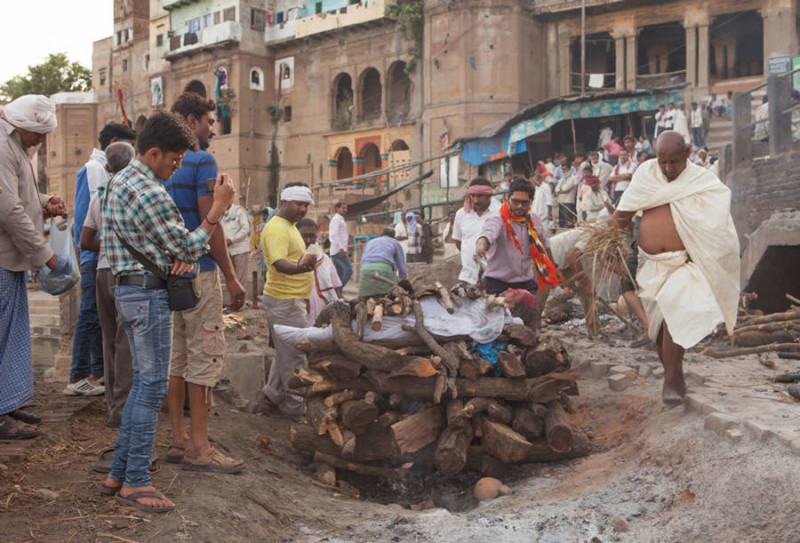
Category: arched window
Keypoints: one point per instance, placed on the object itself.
(257, 79)
(370, 94)
(398, 87)
(342, 102)
(196, 87)
(344, 163)
(399, 145)
(371, 161)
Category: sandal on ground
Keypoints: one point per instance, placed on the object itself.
(211, 460)
(10, 429)
(130, 501)
(25, 416)
(175, 458)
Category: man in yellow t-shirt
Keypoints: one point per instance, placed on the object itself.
(287, 291)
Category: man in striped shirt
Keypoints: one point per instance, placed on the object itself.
(136, 208)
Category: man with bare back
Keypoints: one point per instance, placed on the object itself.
(688, 254)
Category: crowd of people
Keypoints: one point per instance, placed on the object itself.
(152, 214)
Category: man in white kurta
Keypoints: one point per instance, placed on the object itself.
(688, 254)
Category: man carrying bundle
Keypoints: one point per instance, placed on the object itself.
(689, 254)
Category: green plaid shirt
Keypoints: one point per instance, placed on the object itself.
(141, 211)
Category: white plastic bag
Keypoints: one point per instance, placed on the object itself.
(56, 282)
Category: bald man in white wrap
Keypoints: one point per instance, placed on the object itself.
(688, 254)
(287, 292)
(24, 125)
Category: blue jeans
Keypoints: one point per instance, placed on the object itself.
(146, 318)
(344, 269)
(87, 341)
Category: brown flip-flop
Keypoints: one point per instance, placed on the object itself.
(10, 429)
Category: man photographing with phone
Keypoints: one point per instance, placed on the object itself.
(198, 344)
(138, 210)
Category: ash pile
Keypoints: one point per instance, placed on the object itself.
(429, 379)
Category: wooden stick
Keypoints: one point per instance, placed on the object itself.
(402, 473)
(361, 319)
(447, 299)
(377, 318)
(727, 353)
(786, 315)
(792, 299)
(629, 324)
(382, 279)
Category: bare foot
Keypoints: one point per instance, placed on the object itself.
(111, 483)
(126, 491)
(672, 396)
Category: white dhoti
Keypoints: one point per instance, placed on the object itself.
(674, 290)
(696, 289)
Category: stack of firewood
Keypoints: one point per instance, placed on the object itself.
(386, 408)
(758, 333)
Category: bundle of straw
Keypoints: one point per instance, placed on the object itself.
(608, 247)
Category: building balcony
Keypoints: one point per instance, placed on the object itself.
(175, 4)
(560, 6)
(279, 31)
(353, 14)
(213, 36)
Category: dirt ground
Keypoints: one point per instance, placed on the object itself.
(654, 475)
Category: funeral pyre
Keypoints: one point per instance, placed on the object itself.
(439, 379)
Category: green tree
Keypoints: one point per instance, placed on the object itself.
(54, 75)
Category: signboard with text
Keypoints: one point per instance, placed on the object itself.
(779, 65)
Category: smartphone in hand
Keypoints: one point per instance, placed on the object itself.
(210, 184)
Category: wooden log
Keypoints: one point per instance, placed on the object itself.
(510, 365)
(377, 318)
(338, 398)
(413, 350)
(447, 299)
(319, 415)
(358, 413)
(549, 356)
(475, 406)
(538, 451)
(499, 412)
(504, 443)
(417, 367)
(402, 473)
(372, 356)
(558, 431)
(379, 277)
(340, 368)
(775, 347)
(526, 423)
(350, 442)
(756, 338)
(768, 327)
(477, 425)
(326, 474)
(450, 360)
(468, 369)
(309, 346)
(521, 334)
(361, 319)
(792, 314)
(418, 430)
(484, 366)
(451, 449)
(455, 413)
(370, 306)
(388, 418)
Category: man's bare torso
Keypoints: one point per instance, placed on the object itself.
(657, 233)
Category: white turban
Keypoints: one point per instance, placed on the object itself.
(32, 112)
(297, 194)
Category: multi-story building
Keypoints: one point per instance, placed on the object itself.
(324, 90)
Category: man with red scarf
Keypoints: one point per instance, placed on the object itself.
(516, 246)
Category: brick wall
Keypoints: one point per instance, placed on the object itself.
(771, 184)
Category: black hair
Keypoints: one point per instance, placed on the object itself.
(165, 131)
(629, 137)
(114, 130)
(191, 103)
(518, 184)
(480, 181)
(295, 184)
(306, 222)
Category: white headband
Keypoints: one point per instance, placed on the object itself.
(32, 112)
(297, 194)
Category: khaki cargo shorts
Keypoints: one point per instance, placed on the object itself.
(198, 335)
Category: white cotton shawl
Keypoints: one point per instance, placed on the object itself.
(700, 206)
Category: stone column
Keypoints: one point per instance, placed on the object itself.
(780, 34)
(631, 66)
(619, 62)
(691, 55)
(702, 57)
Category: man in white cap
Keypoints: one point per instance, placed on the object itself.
(288, 289)
(24, 125)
